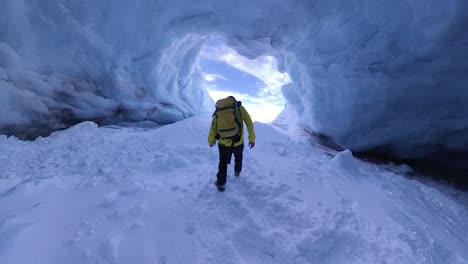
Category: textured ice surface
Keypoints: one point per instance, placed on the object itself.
(370, 74)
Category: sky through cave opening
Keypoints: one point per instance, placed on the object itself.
(256, 82)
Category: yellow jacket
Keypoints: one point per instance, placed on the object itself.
(226, 142)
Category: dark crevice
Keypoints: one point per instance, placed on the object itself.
(454, 174)
(452, 169)
(43, 127)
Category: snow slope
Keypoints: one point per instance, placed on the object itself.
(370, 74)
(122, 195)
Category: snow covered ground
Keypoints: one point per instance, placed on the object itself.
(122, 195)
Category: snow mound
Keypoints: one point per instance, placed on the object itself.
(82, 127)
(344, 160)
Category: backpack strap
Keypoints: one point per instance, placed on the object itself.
(216, 123)
(239, 104)
(238, 122)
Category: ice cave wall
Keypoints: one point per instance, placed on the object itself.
(370, 74)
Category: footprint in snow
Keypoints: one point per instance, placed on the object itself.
(190, 229)
(162, 260)
(253, 247)
(10, 228)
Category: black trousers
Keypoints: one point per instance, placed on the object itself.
(225, 154)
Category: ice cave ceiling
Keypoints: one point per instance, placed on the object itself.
(370, 74)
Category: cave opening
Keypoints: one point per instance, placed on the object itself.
(256, 82)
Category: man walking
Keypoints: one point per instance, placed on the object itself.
(228, 128)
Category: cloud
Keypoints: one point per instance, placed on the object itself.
(212, 77)
(264, 112)
(264, 68)
(217, 94)
(268, 102)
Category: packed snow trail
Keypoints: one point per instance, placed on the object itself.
(119, 195)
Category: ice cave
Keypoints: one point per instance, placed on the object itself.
(105, 113)
(384, 76)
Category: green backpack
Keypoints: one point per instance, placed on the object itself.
(228, 119)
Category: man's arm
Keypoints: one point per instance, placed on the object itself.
(212, 134)
(248, 122)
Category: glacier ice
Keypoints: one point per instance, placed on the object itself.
(372, 75)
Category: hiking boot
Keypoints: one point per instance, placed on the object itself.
(221, 188)
(237, 173)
